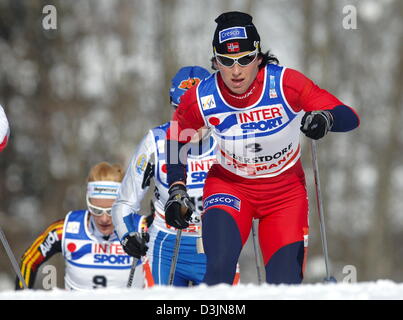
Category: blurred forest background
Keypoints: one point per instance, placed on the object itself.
(89, 90)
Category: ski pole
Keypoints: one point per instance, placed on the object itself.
(12, 258)
(257, 256)
(175, 257)
(319, 202)
(132, 270)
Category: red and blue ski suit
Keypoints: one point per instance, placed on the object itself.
(259, 173)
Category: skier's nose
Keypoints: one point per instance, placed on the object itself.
(236, 70)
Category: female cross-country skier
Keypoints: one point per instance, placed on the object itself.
(94, 257)
(255, 109)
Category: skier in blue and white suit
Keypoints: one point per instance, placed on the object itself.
(148, 162)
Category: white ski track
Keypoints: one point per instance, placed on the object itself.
(377, 290)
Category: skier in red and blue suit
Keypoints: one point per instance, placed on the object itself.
(256, 110)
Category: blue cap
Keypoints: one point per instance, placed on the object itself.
(184, 79)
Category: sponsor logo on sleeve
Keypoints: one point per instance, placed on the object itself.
(141, 163)
(49, 241)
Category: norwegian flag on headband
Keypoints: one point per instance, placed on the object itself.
(233, 47)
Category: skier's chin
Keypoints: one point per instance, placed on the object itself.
(106, 229)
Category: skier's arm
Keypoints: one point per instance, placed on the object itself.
(185, 125)
(303, 94)
(42, 249)
(4, 129)
(126, 209)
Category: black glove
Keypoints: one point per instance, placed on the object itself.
(179, 207)
(315, 124)
(134, 244)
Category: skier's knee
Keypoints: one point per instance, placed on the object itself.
(285, 266)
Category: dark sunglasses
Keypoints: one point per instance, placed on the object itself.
(243, 61)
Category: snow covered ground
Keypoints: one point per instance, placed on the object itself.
(378, 290)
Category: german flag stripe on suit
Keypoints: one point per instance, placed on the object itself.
(43, 248)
